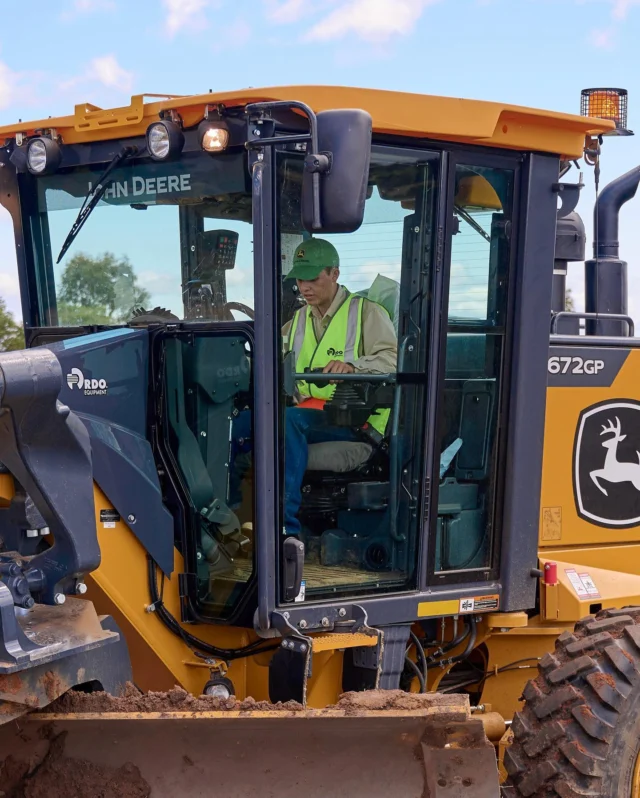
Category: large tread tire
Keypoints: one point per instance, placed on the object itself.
(579, 731)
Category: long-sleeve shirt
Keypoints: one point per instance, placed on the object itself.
(378, 343)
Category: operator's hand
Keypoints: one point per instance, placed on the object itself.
(338, 367)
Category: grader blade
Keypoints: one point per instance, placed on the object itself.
(433, 748)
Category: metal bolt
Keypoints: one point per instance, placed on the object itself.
(45, 531)
(416, 229)
(150, 608)
(256, 131)
(261, 156)
(131, 518)
(199, 555)
(203, 434)
(59, 598)
(342, 612)
(303, 624)
(284, 644)
(81, 588)
(504, 629)
(325, 622)
(303, 648)
(32, 533)
(286, 615)
(410, 347)
(28, 602)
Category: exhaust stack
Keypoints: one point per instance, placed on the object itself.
(605, 273)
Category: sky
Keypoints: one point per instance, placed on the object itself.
(538, 53)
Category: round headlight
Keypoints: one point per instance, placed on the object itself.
(219, 687)
(43, 156)
(165, 140)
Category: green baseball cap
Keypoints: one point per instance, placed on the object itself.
(311, 257)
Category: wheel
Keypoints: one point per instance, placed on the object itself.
(579, 731)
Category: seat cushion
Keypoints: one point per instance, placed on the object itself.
(338, 456)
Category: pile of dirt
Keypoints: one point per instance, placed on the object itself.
(381, 700)
(177, 700)
(57, 774)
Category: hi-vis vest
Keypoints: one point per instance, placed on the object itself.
(341, 341)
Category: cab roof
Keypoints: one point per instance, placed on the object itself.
(422, 116)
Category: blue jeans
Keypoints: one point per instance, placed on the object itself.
(302, 427)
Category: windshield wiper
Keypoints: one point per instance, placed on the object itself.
(93, 197)
(472, 222)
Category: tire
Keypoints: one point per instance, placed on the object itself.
(579, 731)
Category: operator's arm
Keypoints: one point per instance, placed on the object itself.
(380, 344)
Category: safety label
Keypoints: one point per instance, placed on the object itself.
(108, 518)
(582, 583)
(479, 604)
(303, 592)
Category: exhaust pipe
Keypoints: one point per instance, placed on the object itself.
(606, 274)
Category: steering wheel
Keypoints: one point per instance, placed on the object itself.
(240, 307)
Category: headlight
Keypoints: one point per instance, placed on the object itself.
(165, 140)
(43, 156)
(214, 135)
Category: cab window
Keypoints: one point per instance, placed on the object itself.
(475, 313)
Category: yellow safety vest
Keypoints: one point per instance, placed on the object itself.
(340, 341)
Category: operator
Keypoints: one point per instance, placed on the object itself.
(337, 332)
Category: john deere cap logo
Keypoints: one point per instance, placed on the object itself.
(300, 253)
(606, 464)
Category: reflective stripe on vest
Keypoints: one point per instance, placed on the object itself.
(341, 341)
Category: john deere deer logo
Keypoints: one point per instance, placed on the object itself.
(606, 464)
(614, 470)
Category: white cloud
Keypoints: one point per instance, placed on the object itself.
(106, 70)
(621, 8)
(372, 20)
(80, 7)
(286, 10)
(87, 6)
(603, 38)
(184, 13)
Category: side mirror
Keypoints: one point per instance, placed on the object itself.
(340, 170)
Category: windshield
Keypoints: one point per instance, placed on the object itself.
(175, 236)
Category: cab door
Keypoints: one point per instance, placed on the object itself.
(357, 490)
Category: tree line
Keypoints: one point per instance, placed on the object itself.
(101, 290)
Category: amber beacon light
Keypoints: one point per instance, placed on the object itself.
(607, 104)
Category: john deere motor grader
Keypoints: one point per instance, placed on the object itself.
(452, 554)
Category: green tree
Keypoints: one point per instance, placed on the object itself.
(102, 290)
(569, 303)
(11, 333)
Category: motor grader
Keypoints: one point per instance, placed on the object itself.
(488, 533)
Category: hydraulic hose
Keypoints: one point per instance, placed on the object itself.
(190, 640)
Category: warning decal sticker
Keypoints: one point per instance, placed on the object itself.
(583, 584)
(479, 604)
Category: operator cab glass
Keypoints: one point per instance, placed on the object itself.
(175, 236)
(475, 311)
(358, 501)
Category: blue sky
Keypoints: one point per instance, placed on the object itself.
(532, 52)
